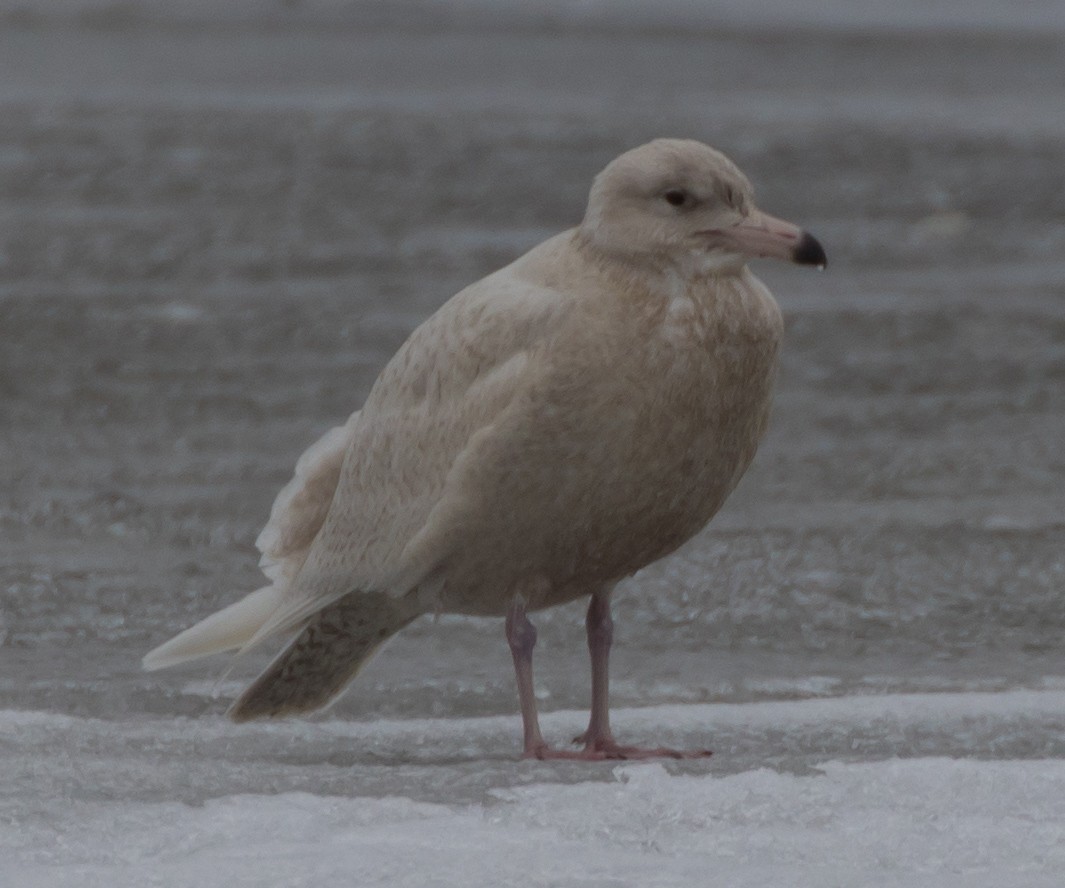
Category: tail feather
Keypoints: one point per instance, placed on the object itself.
(324, 657)
(226, 630)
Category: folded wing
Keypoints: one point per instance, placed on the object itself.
(366, 489)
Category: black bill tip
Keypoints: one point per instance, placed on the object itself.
(809, 251)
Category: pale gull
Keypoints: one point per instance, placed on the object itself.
(552, 429)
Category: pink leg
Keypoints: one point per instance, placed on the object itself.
(521, 636)
(600, 628)
(598, 741)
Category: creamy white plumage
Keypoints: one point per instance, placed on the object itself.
(553, 428)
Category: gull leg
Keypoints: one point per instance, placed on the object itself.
(598, 740)
(599, 743)
(600, 628)
(521, 636)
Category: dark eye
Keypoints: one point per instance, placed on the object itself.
(676, 197)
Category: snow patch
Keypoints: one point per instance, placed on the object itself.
(925, 822)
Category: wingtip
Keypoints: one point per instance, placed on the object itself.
(150, 662)
(236, 627)
(163, 657)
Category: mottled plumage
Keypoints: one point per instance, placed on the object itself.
(552, 429)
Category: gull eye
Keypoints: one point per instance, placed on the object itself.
(676, 197)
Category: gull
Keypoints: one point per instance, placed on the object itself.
(549, 431)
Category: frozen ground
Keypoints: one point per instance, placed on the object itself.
(937, 822)
(218, 221)
(424, 802)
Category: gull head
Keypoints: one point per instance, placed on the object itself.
(680, 203)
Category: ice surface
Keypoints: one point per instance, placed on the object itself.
(878, 799)
(921, 822)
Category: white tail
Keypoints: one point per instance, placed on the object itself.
(226, 630)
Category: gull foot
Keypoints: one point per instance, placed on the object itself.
(605, 749)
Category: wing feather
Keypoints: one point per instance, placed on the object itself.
(453, 378)
(300, 507)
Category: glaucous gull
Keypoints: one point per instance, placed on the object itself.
(552, 429)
